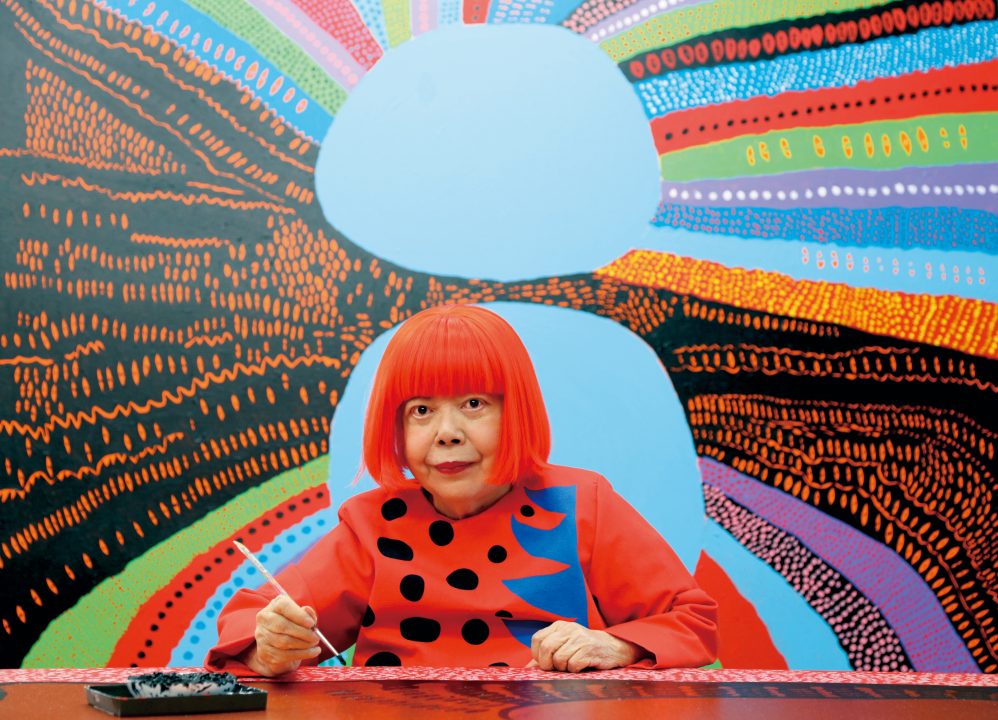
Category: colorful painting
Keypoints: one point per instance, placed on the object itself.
(750, 246)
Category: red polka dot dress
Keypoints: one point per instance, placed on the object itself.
(410, 586)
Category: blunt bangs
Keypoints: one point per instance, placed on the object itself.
(455, 350)
(445, 357)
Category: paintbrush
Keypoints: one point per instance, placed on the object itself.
(277, 586)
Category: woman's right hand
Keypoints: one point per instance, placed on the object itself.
(284, 638)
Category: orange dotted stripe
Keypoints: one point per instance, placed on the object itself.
(958, 323)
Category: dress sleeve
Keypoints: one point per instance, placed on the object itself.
(643, 590)
(334, 577)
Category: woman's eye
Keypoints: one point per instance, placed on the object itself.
(420, 410)
(474, 403)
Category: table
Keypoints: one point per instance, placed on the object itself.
(522, 694)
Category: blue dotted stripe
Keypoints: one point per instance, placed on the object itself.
(373, 16)
(842, 66)
(190, 29)
(451, 12)
(544, 12)
(202, 633)
(934, 227)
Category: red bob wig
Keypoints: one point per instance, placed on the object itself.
(454, 350)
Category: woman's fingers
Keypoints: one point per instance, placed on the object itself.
(546, 642)
(285, 633)
(570, 647)
(284, 636)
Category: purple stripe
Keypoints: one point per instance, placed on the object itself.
(884, 577)
(315, 42)
(424, 16)
(971, 187)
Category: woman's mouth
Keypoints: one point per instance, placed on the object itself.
(452, 468)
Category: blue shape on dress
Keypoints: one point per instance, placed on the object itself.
(562, 593)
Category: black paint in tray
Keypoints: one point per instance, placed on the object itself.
(117, 700)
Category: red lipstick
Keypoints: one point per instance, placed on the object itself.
(452, 468)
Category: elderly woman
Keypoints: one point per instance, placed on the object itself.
(474, 550)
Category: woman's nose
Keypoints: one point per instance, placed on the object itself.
(449, 432)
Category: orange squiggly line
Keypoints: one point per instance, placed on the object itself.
(23, 360)
(804, 353)
(106, 461)
(207, 99)
(143, 114)
(210, 341)
(886, 409)
(216, 188)
(132, 196)
(92, 346)
(77, 419)
(178, 242)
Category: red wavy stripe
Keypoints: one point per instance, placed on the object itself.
(865, 102)
(171, 613)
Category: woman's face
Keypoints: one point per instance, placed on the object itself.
(450, 447)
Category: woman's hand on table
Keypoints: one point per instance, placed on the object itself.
(284, 638)
(570, 647)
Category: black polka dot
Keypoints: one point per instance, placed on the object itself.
(497, 553)
(393, 509)
(368, 620)
(441, 533)
(412, 587)
(498, 664)
(420, 629)
(395, 549)
(527, 511)
(384, 659)
(475, 632)
(504, 614)
(463, 579)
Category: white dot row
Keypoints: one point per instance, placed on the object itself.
(635, 17)
(836, 191)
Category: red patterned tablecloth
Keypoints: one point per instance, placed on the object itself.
(113, 675)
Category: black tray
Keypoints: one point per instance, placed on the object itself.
(116, 700)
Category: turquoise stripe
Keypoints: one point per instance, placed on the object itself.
(837, 67)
